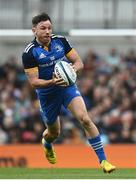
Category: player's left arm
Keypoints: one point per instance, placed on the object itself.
(72, 55)
(75, 59)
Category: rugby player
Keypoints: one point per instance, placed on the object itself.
(39, 59)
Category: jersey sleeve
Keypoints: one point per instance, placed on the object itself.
(66, 44)
(28, 60)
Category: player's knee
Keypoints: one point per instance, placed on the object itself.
(54, 135)
(85, 120)
(51, 136)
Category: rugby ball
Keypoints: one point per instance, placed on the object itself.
(65, 71)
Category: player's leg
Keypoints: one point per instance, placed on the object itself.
(78, 109)
(52, 131)
(50, 105)
(49, 135)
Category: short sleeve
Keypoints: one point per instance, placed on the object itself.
(28, 60)
(66, 44)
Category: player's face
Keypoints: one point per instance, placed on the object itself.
(43, 31)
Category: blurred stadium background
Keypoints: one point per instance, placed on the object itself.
(107, 83)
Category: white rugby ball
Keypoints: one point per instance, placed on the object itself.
(64, 70)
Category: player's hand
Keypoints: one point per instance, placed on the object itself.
(73, 66)
(58, 81)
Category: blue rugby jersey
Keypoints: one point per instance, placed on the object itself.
(35, 55)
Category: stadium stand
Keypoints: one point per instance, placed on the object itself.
(109, 91)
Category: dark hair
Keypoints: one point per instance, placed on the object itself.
(40, 17)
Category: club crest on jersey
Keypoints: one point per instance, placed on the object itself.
(58, 48)
(42, 56)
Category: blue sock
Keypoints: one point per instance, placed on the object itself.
(47, 145)
(98, 147)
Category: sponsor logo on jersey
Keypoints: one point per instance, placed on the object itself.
(51, 63)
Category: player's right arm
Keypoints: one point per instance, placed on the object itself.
(32, 75)
(31, 71)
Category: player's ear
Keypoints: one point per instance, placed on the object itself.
(34, 30)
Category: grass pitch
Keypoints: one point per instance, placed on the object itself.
(53, 173)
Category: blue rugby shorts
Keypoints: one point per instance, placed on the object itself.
(50, 104)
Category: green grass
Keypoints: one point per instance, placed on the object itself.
(53, 173)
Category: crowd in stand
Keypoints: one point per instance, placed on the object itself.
(107, 84)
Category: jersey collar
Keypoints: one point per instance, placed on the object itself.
(36, 43)
(39, 45)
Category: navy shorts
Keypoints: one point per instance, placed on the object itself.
(50, 104)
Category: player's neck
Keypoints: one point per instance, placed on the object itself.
(43, 44)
